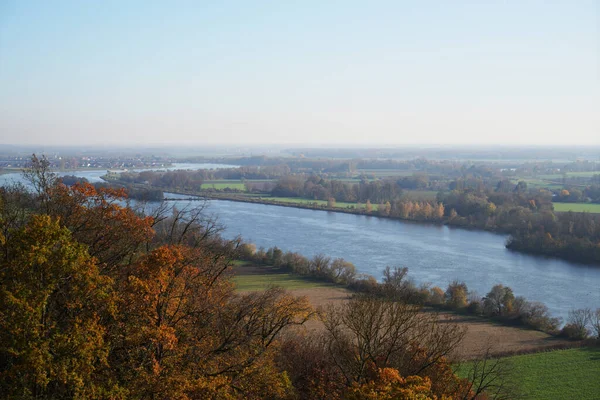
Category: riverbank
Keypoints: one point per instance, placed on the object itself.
(503, 339)
(349, 209)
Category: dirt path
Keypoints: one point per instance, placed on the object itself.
(480, 334)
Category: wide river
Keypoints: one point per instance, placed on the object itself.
(433, 254)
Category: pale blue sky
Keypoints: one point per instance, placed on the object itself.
(305, 72)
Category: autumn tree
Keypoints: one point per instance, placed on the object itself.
(499, 301)
(436, 296)
(388, 384)
(456, 294)
(342, 271)
(53, 306)
(94, 304)
(178, 307)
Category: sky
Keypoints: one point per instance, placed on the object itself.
(300, 72)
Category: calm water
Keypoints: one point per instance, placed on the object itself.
(433, 254)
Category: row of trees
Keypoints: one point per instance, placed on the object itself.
(321, 267)
(589, 193)
(499, 302)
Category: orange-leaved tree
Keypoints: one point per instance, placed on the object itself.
(183, 331)
(53, 305)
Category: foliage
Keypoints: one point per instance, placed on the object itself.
(53, 305)
(388, 384)
(499, 301)
(456, 295)
(95, 304)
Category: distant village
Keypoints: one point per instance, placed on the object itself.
(88, 162)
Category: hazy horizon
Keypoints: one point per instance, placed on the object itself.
(337, 74)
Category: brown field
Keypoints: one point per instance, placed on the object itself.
(502, 339)
(480, 333)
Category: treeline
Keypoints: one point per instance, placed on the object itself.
(571, 236)
(328, 165)
(136, 192)
(321, 267)
(500, 303)
(530, 220)
(98, 301)
(319, 188)
(178, 179)
(589, 194)
(193, 179)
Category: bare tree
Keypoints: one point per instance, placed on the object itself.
(40, 176)
(577, 323)
(595, 322)
(370, 331)
(488, 375)
(191, 225)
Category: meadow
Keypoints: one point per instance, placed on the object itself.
(287, 281)
(577, 207)
(224, 184)
(252, 277)
(558, 374)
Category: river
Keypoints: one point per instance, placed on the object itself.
(433, 254)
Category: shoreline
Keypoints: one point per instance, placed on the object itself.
(260, 200)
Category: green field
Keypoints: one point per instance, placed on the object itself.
(540, 183)
(224, 184)
(255, 282)
(577, 207)
(385, 172)
(299, 200)
(558, 374)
